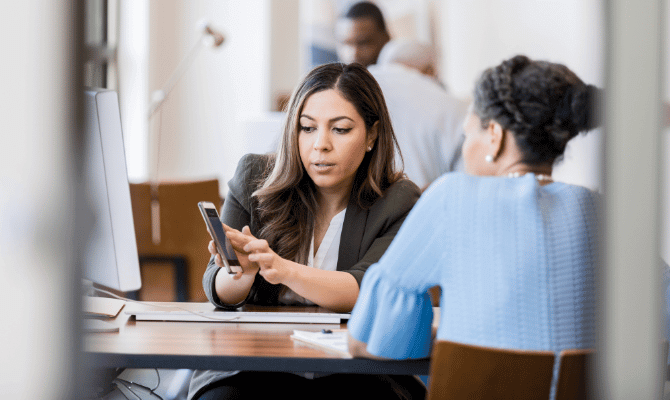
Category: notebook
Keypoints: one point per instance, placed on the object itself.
(334, 341)
(206, 312)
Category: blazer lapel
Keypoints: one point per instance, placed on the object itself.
(353, 229)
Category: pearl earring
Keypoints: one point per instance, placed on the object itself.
(488, 158)
(369, 148)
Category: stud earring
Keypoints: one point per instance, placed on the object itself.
(369, 148)
(488, 158)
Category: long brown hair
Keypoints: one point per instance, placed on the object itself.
(286, 199)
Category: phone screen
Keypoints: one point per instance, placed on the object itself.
(220, 237)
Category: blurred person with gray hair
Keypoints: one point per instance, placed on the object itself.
(427, 120)
(410, 53)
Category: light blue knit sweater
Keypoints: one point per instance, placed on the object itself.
(515, 261)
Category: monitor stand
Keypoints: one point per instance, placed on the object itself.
(96, 310)
(93, 325)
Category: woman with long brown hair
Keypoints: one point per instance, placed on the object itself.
(307, 222)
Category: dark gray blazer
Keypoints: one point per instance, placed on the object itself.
(366, 234)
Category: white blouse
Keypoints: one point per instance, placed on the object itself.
(324, 259)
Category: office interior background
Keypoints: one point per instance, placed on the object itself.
(227, 103)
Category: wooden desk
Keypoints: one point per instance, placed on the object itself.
(226, 346)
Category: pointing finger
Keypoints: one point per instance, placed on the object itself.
(247, 231)
(257, 246)
(228, 229)
(261, 258)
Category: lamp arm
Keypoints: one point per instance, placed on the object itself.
(159, 96)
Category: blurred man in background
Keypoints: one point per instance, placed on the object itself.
(427, 120)
(361, 33)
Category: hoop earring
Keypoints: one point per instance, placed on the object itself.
(488, 158)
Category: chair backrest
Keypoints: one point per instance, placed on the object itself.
(460, 371)
(182, 229)
(573, 376)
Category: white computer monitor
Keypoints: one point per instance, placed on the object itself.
(111, 258)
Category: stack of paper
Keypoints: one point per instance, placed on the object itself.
(334, 341)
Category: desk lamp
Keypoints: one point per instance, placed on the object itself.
(208, 37)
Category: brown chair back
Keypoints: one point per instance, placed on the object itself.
(182, 230)
(573, 376)
(460, 371)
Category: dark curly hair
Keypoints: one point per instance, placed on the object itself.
(542, 104)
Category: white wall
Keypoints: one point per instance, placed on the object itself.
(204, 122)
(285, 55)
(200, 120)
(133, 82)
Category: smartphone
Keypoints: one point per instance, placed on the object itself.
(223, 245)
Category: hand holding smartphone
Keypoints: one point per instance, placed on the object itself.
(223, 245)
